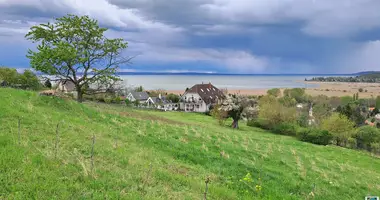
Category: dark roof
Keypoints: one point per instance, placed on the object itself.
(163, 100)
(140, 95)
(208, 92)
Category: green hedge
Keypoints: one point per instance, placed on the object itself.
(315, 136)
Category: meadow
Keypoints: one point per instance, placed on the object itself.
(102, 151)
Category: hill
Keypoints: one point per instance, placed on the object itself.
(162, 155)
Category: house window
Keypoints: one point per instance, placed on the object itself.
(197, 106)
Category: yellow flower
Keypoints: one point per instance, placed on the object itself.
(258, 187)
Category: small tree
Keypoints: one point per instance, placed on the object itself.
(340, 127)
(74, 48)
(139, 89)
(274, 92)
(173, 98)
(235, 105)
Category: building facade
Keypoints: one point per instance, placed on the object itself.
(200, 97)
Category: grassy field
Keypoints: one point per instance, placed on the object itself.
(162, 155)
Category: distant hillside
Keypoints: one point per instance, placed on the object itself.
(365, 77)
(162, 155)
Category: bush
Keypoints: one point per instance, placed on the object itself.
(315, 136)
(367, 135)
(286, 129)
(375, 147)
(127, 102)
(274, 92)
(340, 127)
(107, 99)
(117, 100)
(361, 90)
(352, 143)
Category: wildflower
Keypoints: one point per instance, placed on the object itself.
(258, 187)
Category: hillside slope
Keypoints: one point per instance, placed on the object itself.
(157, 155)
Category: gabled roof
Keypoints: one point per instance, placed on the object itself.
(208, 92)
(140, 95)
(162, 100)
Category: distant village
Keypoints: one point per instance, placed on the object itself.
(198, 98)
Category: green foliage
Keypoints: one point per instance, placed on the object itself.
(315, 136)
(117, 100)
(219, 114)
(286, 128)
(346, 100)
(127, 102)
(27, 80)
(136, 103)
(365, 136)
(170, 153)
(274, 92)
(340, 127)
(297, 93)
(378, 102)
(274, 113)
(75, 48)
(139, 89)
(173, 98)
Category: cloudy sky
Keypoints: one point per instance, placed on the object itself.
(225, 36)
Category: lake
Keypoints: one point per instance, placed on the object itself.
(181, 82)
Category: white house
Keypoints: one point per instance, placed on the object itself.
(65, 86)
(142, 97)
(200, 97)
(161, 103)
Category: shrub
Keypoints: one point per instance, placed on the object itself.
(117, 100)
(340, 127)
(303, 120)
(375, 147)
(352, 143)
(315, 136)
(273, 112)
(365, 136)
(107, 99)
(361, 90)
(219, 114)
(286, 129)
(127, 102)
(274, 92)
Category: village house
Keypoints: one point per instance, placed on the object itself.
(67, 87)
(161, 103)
(200, 97)
(141, 97)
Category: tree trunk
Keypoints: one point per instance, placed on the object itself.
(79, 95)
(235, 123)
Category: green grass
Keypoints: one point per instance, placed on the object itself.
(162, 155)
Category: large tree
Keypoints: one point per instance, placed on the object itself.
(239, 107)
(74, 48)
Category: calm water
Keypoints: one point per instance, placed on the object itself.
(181, 82)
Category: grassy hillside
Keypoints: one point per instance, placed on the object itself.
(156, 155)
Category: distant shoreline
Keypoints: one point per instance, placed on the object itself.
(321, 88)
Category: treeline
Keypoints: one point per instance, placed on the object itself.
(27, 80)
(349, 122)
(365, 78)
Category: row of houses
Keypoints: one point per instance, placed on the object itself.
(198, 98)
